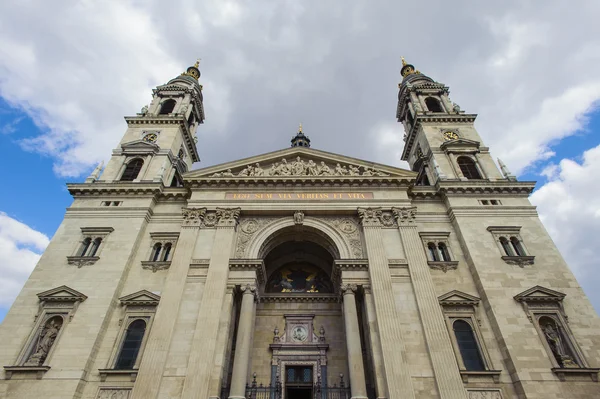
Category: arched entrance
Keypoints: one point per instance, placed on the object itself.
(299, 341)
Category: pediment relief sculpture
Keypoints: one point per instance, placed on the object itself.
(301, 167)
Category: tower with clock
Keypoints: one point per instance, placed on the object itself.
(160, 142)
(441, 140)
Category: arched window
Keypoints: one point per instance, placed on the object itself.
(467, 345)
(95, 245)
(433, 105)
(468, 168)
(85, 245)
(166, 252)
(516, 244)
(132, 170)
(433, 253)
(506, 246)
(156, 252)
(131, 345)
(167, 107)
(444, 252)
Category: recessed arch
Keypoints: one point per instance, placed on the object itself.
(276, 233)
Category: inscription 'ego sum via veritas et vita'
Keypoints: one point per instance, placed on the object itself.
(298, 196)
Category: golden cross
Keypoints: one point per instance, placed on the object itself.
(300, 128)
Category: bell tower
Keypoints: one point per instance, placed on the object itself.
(441, 142)
(160, 142)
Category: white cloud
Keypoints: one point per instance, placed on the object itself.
(569, 206)
(20, 249)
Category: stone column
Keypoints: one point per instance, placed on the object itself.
(202, 352)
(445, 368)
(379, 371)
(156, 351)
(243, 344)
(358, 386)
(397, 373)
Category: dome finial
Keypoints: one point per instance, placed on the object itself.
(407, 69)
(403, 61)
(197, 64)
(300, 128)
(193, 71)
(300, 140)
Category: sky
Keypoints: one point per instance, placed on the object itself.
(70, 71)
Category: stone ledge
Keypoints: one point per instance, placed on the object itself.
(494, 374)
(104, 373)
(155, 266)
(562, 373)
(81, 261)
(443, 266)
(520, 261)
(37, 370)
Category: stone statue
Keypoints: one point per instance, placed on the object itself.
(340, 171)
(258, 171)
(228, 173)
(298, 167)
(284, 168)
(45, 341)
(455, 107)
(557, 346)
(183, 109)
(354, 171)
(312, 168)
(324, 170)
(144, 110)
(367, 171)
(274, 170)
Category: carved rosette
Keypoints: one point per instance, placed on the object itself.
(227, 217)
(405, 216)
(192, 217)
(370, 217)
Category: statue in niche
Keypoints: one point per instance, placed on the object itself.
(45, 341)
(557, 345)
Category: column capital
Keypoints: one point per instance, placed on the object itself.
(370, 217)
(405, 216)
(227, 217)
(367, 288)
(249, 289)
(348, 289)
(192, 217)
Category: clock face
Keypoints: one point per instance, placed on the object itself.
(150, 138)
(450, 136)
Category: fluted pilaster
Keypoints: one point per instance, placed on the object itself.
(394, 354)
(445, 369)
(159, 340)
(202, 352)
(358, 387)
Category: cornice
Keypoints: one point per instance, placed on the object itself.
(114, 188)
(479, 187)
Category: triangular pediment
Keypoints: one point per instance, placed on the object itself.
(139, 147)
(459, 143)
(456, 297)
(299, 163)
(540, 294)
(142, 297)
(62, 294)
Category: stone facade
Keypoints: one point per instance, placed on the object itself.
(301, 268)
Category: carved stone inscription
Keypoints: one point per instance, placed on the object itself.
(114, 394)
(298, 196)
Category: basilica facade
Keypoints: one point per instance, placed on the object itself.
(301, 273)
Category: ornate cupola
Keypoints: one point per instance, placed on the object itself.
(300, 140)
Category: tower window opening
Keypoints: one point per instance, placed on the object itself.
(444, 253)
(516, 244)
(167, 107)
(95, 245)
(433, 105)
(85, 245)
(468, 168)
(156, 252)
(132, 170)
(433, 252)
(508, 250)
(166, 252)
